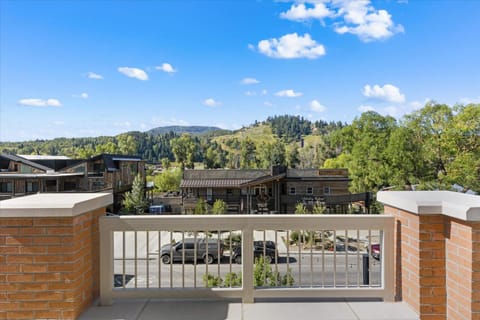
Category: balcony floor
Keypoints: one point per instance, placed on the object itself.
(220, 310)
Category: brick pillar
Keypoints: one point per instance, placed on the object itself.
(437, 249)
(463, 270)
(49, 266)
(420, 262)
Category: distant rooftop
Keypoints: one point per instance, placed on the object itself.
(43, 157)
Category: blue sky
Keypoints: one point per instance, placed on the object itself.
(90, 68)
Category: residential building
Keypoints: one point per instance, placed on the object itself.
(277, 190)
(22, 175)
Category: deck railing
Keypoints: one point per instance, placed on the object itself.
(315, 256)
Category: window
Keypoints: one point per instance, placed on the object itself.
(229, 192)
(32, 187)
(6, 187)
(292, 190)
(309, 190)
(209, 193)
(326, 190)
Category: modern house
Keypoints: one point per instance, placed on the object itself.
(277, 190)
(22, 175)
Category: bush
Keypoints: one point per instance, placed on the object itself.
(219, 207)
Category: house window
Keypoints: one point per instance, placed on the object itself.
(209, 193)
(292, 190)
(32, 187)
(229, 192)
(326, 190)
(6, 187)
(309, 190)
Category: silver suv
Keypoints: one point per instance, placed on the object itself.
(207, 250)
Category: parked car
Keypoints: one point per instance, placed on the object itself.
(375, 250)
(259, 248)
(186, 250)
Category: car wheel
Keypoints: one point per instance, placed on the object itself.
(238, 259)
(208, 259)
(267, 259)
(166, 259)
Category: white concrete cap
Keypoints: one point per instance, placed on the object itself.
(453, 204)
(54, 204)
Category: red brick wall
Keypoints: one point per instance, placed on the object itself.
(49, 267)
(437, 261)
(463, 270)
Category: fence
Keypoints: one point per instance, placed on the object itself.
(303, 256)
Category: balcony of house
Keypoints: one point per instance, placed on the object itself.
(392, 266)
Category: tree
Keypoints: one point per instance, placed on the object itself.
(165, 163)
(183, 148)
(219, 207)
(168, 180)
(201, 207)
(301, 209)
(135, 200)
(247, 154)
(127, 144)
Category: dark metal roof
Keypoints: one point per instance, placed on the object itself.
(225, 174)
(25, 161)
(212, 183)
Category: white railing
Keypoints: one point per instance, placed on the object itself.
(327, 257)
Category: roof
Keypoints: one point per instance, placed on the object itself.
(39, 175)
(26, 161)
(229, 178)
(109, 160)
(247, 174)
(43, 157)
(213, 183)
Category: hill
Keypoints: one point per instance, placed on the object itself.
(193, 130)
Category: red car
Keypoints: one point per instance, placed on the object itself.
(375, 250)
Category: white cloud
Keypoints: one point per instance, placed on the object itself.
(300, 12)
(133, 73)
(166, 67)
(288, 93)
(264, 92)
(249, 81)
(357, 17)
(317, 106)
(268, 104)
(250, 93)
(386, 93)
(364, 108)
(466, 100)
(40, 102)
(364, 21)
(291, 46)
(93, 75)
(82, 95)
(210, 102)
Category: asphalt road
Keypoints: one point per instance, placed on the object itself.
(309, 270)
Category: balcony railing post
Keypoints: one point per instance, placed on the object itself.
(106, 263)
(247, 265)
(388, 265)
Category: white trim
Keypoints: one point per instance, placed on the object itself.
(453, 204)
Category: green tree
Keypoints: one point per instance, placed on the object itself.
(127, 144)
(201, 207)
(168, 180)
(165, 163)
(301, 209)
(247, 154)
(183, 148)
(134, 200)
(219, 207)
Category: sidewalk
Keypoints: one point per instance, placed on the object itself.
(143, 309)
